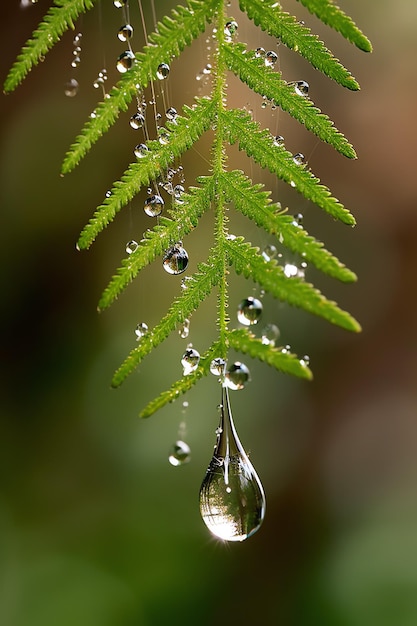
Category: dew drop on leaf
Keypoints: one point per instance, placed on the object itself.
(232, 499)
(184, 329)
(163, 71)
(141, 330)
(260, 53)
(301, 88)
(249, 311)
(278, 140)
(269, 252)
(270, 334)
(270, 58)
(217, 366)
(237, 376)
(299, 158)
(231, 28)
(180, 453)
(141, 150)
(131, 246)
(171, 114)
(125, 61)
(153, 205)
(190, 360)
(175, 260)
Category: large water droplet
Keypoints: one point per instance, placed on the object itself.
(163, 71)
(270, 334)
(180, 453)
(190, 360)
(237, 376)
(249, 311)
(230, 28)
(71, 88)
(232, 500)
(137, 121)
(141, 150)
(125, 32)
(217, 366)
(153, 205)
(270, 58)
(125, 61)
(175, 259)
(301, 88)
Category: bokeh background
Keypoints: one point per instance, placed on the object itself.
(96, 528)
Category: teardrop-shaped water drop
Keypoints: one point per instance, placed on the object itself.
(232, 499)
(175, 259)
(125, 61)
(137, 121)
(71, 88)
(180, 453)
(190, 360)
(163, 71)
(237, 376)
(184, 329)
(125, 32)
(249, 311)
(153, 205)
(301, 88)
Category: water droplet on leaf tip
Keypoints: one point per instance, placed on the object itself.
(270, 58)
(278, 140)
(301, 88)
(163, 71)
(237, 376)
(125, 61)
(249, 311)
(131, 246)
(270, 334)
(232, 499)
(175, 260)
(171, 114)
(299, 158)
(141, 150)
(260, 52)
(180, 453)
(305, 361)
(217, 366)
(125, 32)
(141, 330)
(190, 360)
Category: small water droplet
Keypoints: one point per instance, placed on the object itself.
(269, 252)
(125, 61)
(125, 32)
(301, 88)
(290, 270)
(163, 136)
(270, 334)
(231, 28)
(260, 53)
(153, 205)
(278, 140)
(190, 360)
(305, 361)
(217, 366)
(271, 58)
(163, 71)
(180, 454)
(286, 349)
(141, 330)
(207, 69)
(299, 158)
(232, 500)
(119, 4)
(108, 193)
(71, 88)
(298, 220)
(76, 61)
(131, 246)
(237, 376)
(171, 114)
(137, 121)
(184, 329)
(175, 260)
(141, 150)
(249, 311)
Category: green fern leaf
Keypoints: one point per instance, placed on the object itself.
(294, 291)
(259, 144)
(329, 13)
(283, 361)
(256, 204)
(173, 34)
(269, 16)
(157, 240)
(183, 134)
(268, 83)
(58, 19)
(198, 288)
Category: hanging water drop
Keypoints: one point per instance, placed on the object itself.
(163, 71)
(131, 246)
(153, 205)
(71, 88)
(125, 61)
(141, 150)
(119, 4)
(217, 366)
(269, 252)
(270, 58)
(137, 121)
(175, 260)
(180, 453)
(237, 376)
(141, 330)
(184, 329)
(249, 311)
(231, 28)
(190, 360)
(270, 334)
(232, 499)
(125, 32)
(301, 88)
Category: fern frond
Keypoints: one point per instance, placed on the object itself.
(172, 35)
(266, 82)
(156, 241)
(198, 288)
(57, 20)
(271, 18)
(329, 13)
(294, 291)
(244, 341)
(259, 144)
(183, 134)
(256, 205)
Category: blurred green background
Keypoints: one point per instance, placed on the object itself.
(96, 528)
